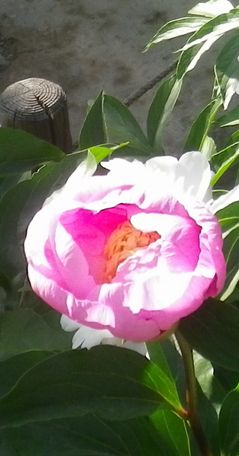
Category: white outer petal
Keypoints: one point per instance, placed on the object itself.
(193, 177)
(86, 337)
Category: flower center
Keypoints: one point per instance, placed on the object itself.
(122, 243)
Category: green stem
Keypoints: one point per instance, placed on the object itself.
(192, 397)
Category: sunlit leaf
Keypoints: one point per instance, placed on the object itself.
(204, 38)
(175, 28)
(227, 71)
(211, 8)
(21, 151)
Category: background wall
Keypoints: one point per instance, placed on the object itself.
(87, 45)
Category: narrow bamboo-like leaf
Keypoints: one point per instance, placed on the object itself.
(229, 119)
(175, 28)
(229, 216)
(121, 126)
(227, 70)
(225, 159)
(111, 382)
(209, 147)
(201, 126)
(160, 110)
(92, 132)
(204, 38)
(211, 8)
(228, 421)
(214, 332)
(20, 151)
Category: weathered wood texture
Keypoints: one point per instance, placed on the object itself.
(39, 107)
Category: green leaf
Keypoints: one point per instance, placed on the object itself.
(213, 331)
(230, 119)
(228, 217)
(199, 131)
(224, 160)
(167, 357)
(121, 126)
(229, 220)
(8, 182)
(204, 38)
(92, 132)
(13, 368)
(160, 110)
(92, 436)
(111, 382)
(175, 28)
(102, 152)
(211, 8)
(21, 151)
(172, 432)
(209, 384)
(228, 422)
(227, 70)
(163, 354)
(23, 330)
(18, 206)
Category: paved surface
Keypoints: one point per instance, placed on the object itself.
(87, 45)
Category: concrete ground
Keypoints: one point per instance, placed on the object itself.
(89, 45)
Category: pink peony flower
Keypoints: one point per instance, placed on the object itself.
(131, 252)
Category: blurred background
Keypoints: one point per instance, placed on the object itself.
(90, 45)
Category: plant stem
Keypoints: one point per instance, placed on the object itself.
(192, 397)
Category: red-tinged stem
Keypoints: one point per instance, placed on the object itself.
(192, 396)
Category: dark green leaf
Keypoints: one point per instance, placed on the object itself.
(229, 424)
(160, 109)
(168, 358)
(13, 368)
(200, 128)
(92, 436)
(172, 432)
(21, 151)
(110, 382)
(92, 132)
(23, 330)
(209, 421)
(214, 332)
(121, 126)
(224, 160)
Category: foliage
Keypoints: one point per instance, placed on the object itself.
(109, 401)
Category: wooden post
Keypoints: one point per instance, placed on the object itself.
(39, 107)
